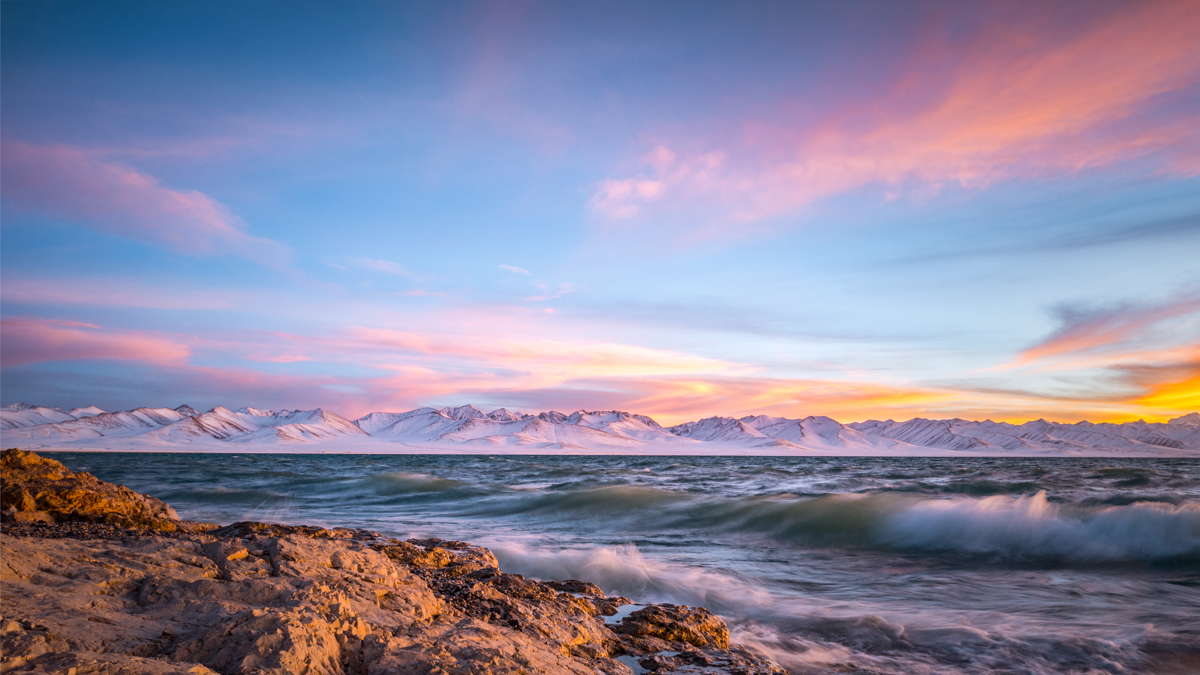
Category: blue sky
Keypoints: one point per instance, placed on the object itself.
(679, 209)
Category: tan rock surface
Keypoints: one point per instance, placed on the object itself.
(80, 598)
(39, 489)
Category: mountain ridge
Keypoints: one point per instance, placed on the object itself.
(465, 428)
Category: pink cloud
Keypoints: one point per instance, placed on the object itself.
(1120, 334)
(277, 358)
(35, 340)
(415, 369)
(70, 183)
(1023, 100)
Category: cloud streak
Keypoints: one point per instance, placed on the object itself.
(35, 340)
(399, 370)
(1024, 100)
(1113, 334)
(78, 186)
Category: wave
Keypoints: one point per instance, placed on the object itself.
(624, 571)
(1024, 527)
(219, 495)
(868, 643)
(400, 483)
(1033, 527)
(812, 634)
(1005, 526)
(628, 500)
(981, 487)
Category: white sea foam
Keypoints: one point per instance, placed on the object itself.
(625, 571)
(1034, 527)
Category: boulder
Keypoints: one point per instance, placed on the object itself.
(677, 623)
(41, 489)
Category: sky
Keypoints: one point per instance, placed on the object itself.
(681, 209)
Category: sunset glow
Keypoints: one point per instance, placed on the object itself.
(857, 211)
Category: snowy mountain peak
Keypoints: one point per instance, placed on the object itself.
(15, 407)
(256, 412)
(462, 412)
(465, 428)
(609, 417)
(86, 411)
(19, 415)
(1190, 419)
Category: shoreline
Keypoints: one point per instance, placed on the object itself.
(551, 452)
(100, 579)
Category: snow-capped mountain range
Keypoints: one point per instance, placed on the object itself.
(466, 429)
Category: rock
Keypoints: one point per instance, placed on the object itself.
(577, 587)
(31, 517)
(677, 623)
(245, 529)
(41, 489)
(415, 556)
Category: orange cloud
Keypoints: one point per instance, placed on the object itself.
(1123, 327)
(1024, 100)
(26, 341)
(407, 369)
(1169, 398)
(70, 183)
(675, 400)
(536, 359)
(1143, 361)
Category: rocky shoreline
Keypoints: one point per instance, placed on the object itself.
(100, 579)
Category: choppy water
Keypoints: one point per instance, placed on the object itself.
(869, 565)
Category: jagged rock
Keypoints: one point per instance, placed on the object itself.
(41, 489)
(247, 528)
(577, 587)
(677, 623)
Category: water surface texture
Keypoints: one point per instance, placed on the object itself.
(875, 565)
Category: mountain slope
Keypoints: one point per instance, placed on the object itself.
(20, 415)
(468, 429)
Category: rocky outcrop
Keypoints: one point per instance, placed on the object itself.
(38, 489)
(674, 623)
(87, 597)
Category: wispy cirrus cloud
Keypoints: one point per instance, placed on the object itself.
(1023, 100)
(1143, 358)
(363, 369)
(83, 187)
(515, 270)
(413, 368)
(1123, 332)
(36, 340)
(548, 293)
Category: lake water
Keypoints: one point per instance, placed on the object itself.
(865, 565)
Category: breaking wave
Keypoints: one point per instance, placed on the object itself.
(1014, 527)
(403, 483)
(1034, 527)
(807, 636)
(1028, 527)
(624, 571)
